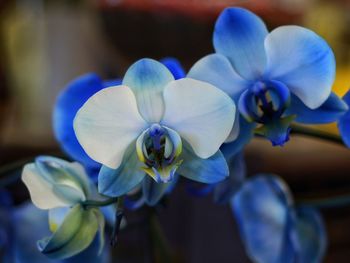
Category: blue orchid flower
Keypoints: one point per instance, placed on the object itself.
(71, 99)
(62, 188)
(273, 228)
(274, 77)
(153, 124)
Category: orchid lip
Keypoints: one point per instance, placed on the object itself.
(159, 148)
(265, 101)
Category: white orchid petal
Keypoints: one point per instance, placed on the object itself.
(41, 191)
(107, 123)
(201, 113)
(235, 130)
(303, 61)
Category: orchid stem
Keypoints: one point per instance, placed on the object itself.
(311, 132)
(161, 248)
(101, 203)
(332, 202)
(119, 214)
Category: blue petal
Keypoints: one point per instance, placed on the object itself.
(147, 78)
(261, 208)
(116, 182)
(68, 103)
(217, 70)
(344, 122)
(328, 112)
(311, 238)
(239, 35)
(303, 61)
(153, 191)
(174, 66)
(225, 189)
(246, 133)
(211, 170)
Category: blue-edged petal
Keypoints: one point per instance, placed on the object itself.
(225, 189)
(209, 171)
(246, 133)
(239, 35)
(303, 61)
(330, 111)
(310, 235)
(344, 122)
(217, 70)
(261, 208)
(174, 66)
(202, 114)
(116, 182)
(59, 171)
(152, 191)
(107, 124)
(53, 182)
(147, 79)
(69, 101)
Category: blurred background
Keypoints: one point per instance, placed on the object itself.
(45, 43)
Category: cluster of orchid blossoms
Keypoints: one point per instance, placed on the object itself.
(137, 135)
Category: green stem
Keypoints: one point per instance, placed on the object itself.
(332, 202)
(311, 132)
(161, 248)
(101, 203)
(119, 214)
